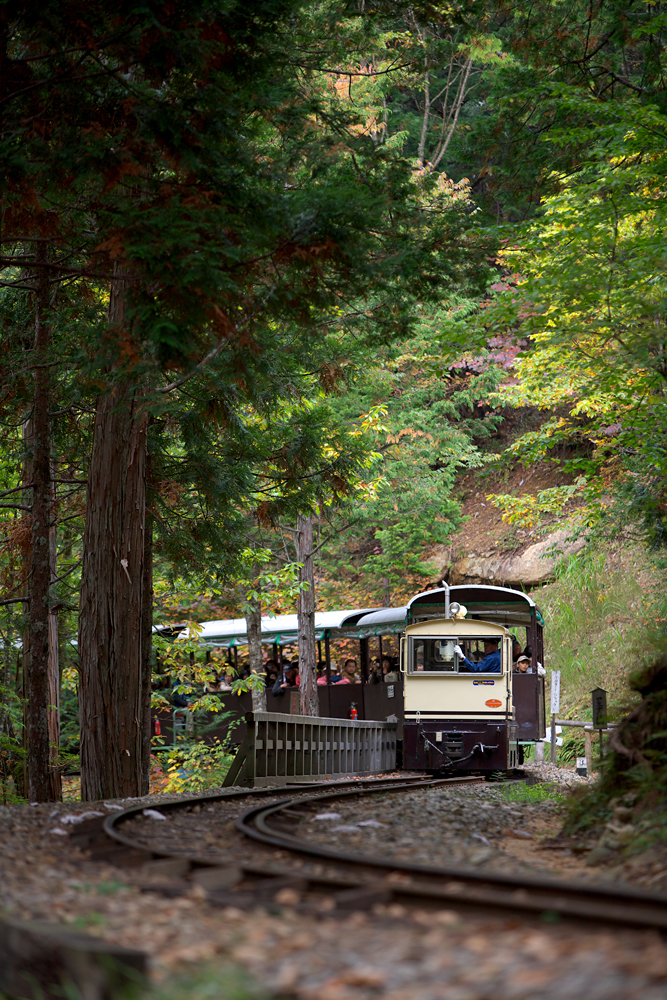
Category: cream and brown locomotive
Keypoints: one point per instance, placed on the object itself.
(465, 706)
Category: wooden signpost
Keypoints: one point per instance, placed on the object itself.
(599, 700)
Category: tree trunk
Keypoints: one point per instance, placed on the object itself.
(386, 591)
(421, 149)
(24, 656)
(37, 688)
(455, 111)
(55, 776)
(6, 728)
(111, 647)
(254, 623)
(147, 647)
(306, 618)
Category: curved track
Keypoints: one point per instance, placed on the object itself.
(356, 881)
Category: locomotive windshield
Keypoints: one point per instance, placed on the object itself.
(441, 655)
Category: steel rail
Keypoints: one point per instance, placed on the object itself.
(528, 894)
(117, 818)
(393, 880)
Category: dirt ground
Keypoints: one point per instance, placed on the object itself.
(388, 953)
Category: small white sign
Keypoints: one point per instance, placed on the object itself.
(582, 763)
(555, 692)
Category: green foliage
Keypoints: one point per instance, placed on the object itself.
(12, 753)
(604, 616)
(531, 794)
(296, 194)
(69, 721)
(574, 745)
(271, 243)
(12, 757)
(583, 285)
(529, 510)
(274, 585)
(180, 658)
(194, 766)
(634, 772)
(209, 982)
(432, 423)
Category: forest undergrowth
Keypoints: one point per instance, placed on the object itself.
(605, 616)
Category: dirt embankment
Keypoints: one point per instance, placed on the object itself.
(488, 550)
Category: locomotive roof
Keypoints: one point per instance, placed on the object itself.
(496, 604)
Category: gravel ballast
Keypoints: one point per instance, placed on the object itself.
(388, 953)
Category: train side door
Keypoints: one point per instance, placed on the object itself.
(512, 729)
(507, 666)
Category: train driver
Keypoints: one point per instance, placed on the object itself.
(490, 662)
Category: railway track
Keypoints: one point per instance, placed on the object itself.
(352, 882)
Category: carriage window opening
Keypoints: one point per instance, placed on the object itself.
(434, 656)
(439, 656)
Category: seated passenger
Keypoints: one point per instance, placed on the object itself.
(523, 665)
(291, 679)
(179, 699)
(490, 662)
(336, 674)
(225, 682)
(211, 685)
(350, 671)
(218, 684)
(270, 667)
(374, 672)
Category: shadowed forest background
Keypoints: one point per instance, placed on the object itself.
(394, 272)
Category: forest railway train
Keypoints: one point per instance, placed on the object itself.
(453, 715)
(465, 705)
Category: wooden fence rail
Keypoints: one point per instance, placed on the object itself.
(588, 736)
(285, 749)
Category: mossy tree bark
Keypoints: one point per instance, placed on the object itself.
(147, 645)
(55, 776)
(41, 686)
(254, 625)
(112, 689)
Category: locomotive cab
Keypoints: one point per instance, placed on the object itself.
(459, 711)
(467, 705)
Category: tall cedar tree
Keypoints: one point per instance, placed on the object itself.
(187, 162)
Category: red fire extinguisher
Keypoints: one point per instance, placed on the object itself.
(353, 710)
(158, 727)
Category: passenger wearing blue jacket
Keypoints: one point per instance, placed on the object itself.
(489, 664)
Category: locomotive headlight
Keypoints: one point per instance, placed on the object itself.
(454, 609)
